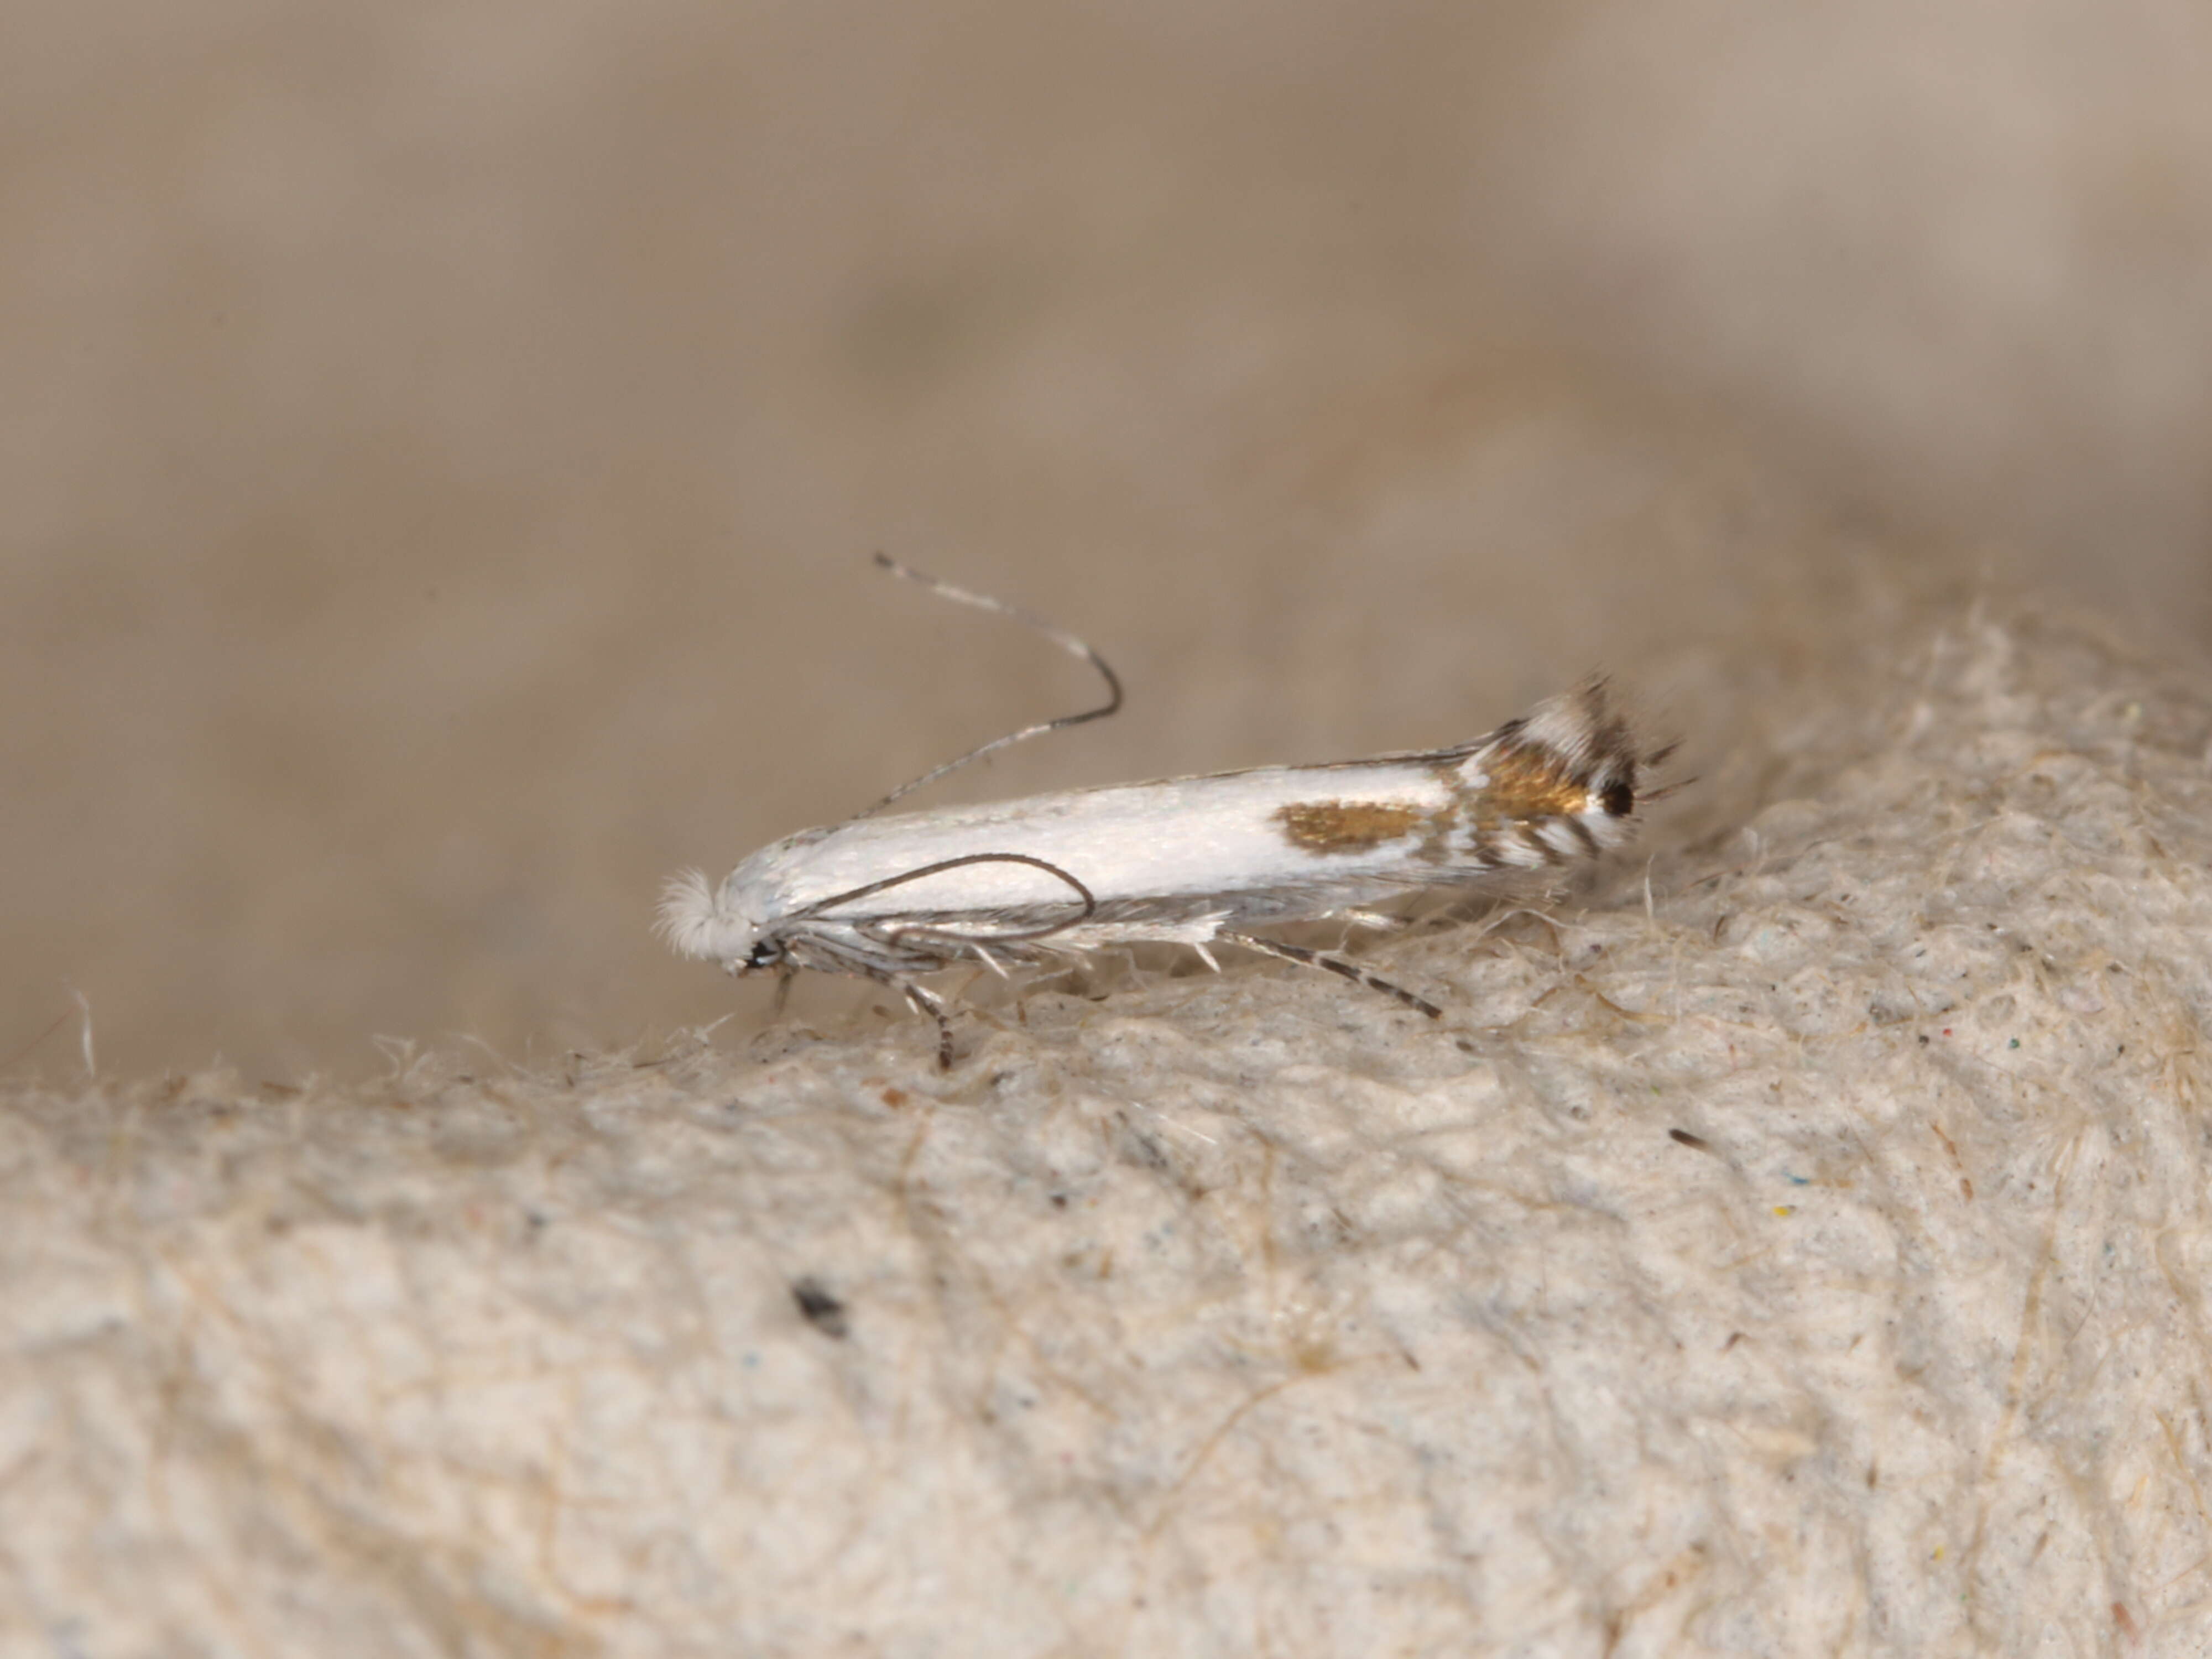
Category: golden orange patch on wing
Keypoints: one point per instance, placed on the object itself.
(1528, 782)
(1345, 826)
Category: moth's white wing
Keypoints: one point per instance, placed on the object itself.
(1272, 830)
(1185, 857)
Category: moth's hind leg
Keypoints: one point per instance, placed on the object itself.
(923, 1002)
(1351, 971)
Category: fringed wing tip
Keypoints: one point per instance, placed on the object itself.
(1585, 727)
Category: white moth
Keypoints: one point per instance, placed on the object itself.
(1195, 861)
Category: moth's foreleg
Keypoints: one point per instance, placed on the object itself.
(1351, 971)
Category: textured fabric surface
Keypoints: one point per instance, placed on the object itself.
(1806, 1258)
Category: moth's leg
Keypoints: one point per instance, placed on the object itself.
(945, 947)
(1204, 955)
(922, 1002)
(784, 975)
(1081, 971)
(1351, 971)
(1381, 922)
(1045, 975)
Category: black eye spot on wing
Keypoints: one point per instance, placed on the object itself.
(1619, 798)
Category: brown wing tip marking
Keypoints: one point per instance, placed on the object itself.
(1574, 754)
(1531, 781)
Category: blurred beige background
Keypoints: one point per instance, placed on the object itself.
(442, 444)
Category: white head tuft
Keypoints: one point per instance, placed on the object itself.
(694, 924)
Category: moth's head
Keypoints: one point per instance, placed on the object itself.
(708, 924)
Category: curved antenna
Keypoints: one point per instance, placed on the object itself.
(1060, 636)
(1089, 901)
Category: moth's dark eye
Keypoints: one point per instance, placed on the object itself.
(1618, 798)
(764, 954)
